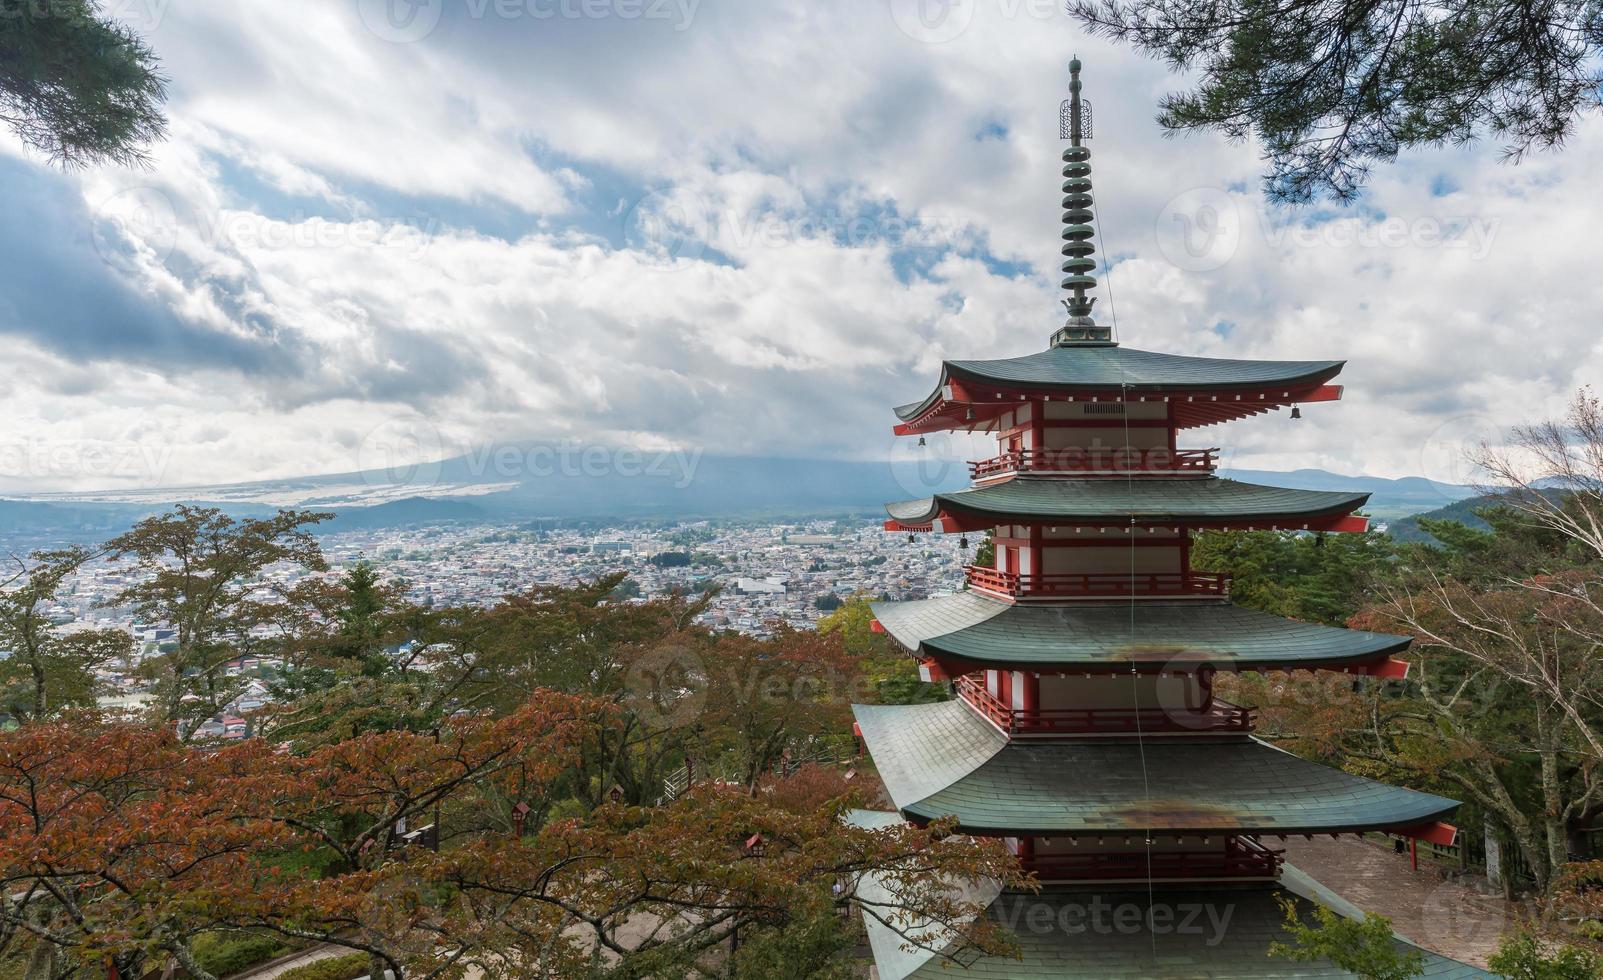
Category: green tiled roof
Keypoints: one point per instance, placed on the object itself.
(984, 631)
(941, 760)
(1107, 367)
(1150, 501)
(1106, 935)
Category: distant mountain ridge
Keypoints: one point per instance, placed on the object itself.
(532, 481)
(1390, 499)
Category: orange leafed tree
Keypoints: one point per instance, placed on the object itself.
(121, 844)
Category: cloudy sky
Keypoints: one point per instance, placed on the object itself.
(387, 226)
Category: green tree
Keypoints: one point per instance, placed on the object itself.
(44, 670)
(1322, 578)
(985, 554)
(888, 670)
(814, 945)
(1364, 947)
(1331, 87)
(361, 617)
(1524, 956)
(76, 84)
(201, 571)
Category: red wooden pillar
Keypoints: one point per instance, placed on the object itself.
(1413, 851)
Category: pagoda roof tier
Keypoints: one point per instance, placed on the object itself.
(968, 632)
(1186, 934)
(1202, 390)
(1199, 502)
(944, 760)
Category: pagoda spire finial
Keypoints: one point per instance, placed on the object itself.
(1074, 125)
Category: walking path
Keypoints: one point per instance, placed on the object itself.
(274, 968)
(1450, 916)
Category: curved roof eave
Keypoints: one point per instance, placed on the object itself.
(1102, 368)
(944, 760)
(972, 632)
(1029, 498)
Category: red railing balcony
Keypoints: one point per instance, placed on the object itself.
(1113, 462)
(1012, 585)
(1241, 857)
(1220, 716)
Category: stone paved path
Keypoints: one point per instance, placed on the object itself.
(1445, 915)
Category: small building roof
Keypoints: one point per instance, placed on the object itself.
(968, 632)
(1200, 501)
(944, 760)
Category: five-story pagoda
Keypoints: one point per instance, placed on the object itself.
(1085, 731)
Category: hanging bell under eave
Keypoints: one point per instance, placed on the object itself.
(1296, 411)
(921, 441)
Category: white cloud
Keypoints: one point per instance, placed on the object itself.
(364, 230)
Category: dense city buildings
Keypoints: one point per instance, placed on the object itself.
(763, 574)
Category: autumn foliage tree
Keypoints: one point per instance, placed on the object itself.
(122, 844)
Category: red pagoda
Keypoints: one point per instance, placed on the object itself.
(1084, 731)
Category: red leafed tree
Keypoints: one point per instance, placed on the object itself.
(108, 835)
(122, 844)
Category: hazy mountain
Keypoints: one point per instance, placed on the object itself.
(551, 481)
(1389, 500)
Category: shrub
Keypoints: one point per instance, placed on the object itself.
(347, 967)
(223, 953)
(1524, 956)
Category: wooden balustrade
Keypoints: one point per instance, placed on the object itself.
(1096, 460)
(1097, 585)
(1220, 716)
(1241, 857)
